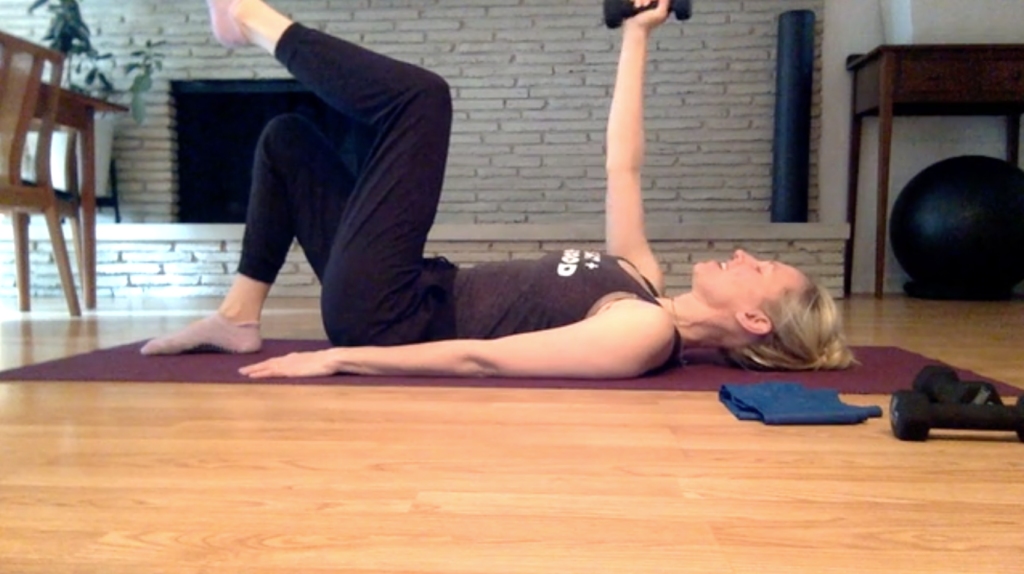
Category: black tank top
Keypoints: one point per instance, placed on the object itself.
(494, 300)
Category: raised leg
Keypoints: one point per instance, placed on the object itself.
(377, 286)
(375, 290)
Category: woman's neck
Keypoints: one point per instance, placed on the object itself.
(701, 326)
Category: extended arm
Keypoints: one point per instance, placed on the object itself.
(628, 339)
(625, 232)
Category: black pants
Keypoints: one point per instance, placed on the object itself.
(363, 233)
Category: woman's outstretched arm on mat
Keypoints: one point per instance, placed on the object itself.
(626, 340)
(625, 233)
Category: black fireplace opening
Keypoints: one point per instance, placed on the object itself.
(218, 125)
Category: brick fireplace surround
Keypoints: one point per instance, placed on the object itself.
(531, 82)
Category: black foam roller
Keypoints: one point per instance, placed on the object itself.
(791, 161)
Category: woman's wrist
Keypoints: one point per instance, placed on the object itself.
(635, 33)
(335, 359)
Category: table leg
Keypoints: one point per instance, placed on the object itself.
(1013, 139)
(853, 183)
(88, 246)
(885, 124)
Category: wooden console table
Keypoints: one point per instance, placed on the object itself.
(926, 80)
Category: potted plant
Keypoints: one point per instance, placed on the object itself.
(86, 69)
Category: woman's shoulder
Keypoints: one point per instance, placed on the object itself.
(649, 325)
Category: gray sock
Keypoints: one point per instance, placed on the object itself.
(212, 334)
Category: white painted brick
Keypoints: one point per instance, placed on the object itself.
(155, 257)
(445, 217)
(181, 291)
(193, 269)
(205, 249)
(140, 246)
(558, 53)
(163, 280)
(469, 207)
(128, 268)
(218, 280)
(501, 218)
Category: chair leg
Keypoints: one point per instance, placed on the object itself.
(20, 222)
(76, 240)
(60, 255)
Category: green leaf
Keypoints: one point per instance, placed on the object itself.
(142, 84)
(79, 29)
(35, 5)
(138, 108)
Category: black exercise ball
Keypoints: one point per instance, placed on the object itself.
(958, 229)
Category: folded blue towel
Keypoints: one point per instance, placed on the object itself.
(781, 403)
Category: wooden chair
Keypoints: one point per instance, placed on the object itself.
(71, 167)
(24, 69)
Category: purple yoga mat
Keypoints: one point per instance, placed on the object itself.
(882, 371)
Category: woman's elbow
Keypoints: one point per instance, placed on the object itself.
(632, 369)
(476, 361)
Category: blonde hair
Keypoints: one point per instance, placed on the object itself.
(807, 335)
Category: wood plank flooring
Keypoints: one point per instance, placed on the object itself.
(217, 479)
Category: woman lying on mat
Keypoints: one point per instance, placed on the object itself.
(388, 310)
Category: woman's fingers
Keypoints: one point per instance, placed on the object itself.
(313, 364)
(270, 368)
(258, 370)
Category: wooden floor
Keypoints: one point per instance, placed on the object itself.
(218, 479)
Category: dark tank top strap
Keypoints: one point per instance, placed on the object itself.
(650, 286)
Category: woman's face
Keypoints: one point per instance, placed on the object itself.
(743, 284)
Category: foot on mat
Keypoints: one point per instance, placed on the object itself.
(225, 28)
(212, 334)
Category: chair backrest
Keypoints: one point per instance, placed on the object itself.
(30, 78)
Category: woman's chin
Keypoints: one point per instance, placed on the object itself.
(702, 268)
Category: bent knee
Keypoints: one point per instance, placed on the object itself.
(287, 133)
(345, 328)
(433, 90)
(286, 125)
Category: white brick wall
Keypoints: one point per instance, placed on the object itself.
(531, 81)
(177, 262)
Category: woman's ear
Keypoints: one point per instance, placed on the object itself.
(755, 322)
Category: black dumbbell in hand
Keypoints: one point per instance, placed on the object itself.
(615, 11)
(913, 416)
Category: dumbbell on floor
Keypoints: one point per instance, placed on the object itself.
(942, 385)
(913, 416)
(615, 11)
